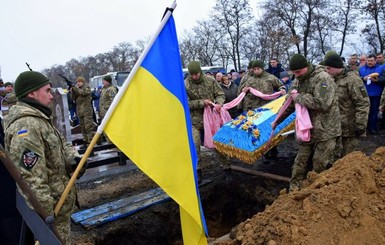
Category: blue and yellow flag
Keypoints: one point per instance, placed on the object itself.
(151, 125)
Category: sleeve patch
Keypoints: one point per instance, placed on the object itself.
(22, 133)
(29, 159)
(323, 89)
(363, 91)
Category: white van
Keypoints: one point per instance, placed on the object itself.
(118, 78)
(212, 69)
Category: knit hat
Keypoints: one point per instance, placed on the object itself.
(258, 63)
(297, 61)
(194, 67)
(107, 78)
(249, 66)
(334, 60)
(28, 82)
(7, 84)
(283, 74)
(328, 53)
(80, 79)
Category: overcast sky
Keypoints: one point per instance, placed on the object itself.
(48, 32)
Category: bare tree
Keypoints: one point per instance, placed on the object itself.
(233, 17)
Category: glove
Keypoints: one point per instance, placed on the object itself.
(71, 167)
(360, 131)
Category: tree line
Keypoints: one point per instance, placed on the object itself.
(232, 35)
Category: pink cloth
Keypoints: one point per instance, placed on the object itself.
(302, 120)
(213, 120)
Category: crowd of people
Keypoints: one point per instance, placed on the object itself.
(342, 99)
(343, 102)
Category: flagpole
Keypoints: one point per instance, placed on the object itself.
(112, 108)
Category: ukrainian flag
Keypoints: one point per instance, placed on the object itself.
(151, 125)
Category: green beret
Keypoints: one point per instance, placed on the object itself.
(297, 61)
(194, 67)
(258, 63)
(334, 60)
(28, 82)
(107, 78)
(7, 84)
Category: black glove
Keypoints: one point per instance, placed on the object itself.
(72, 167)
(360, 131)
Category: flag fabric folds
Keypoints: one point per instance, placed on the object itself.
(151, 125)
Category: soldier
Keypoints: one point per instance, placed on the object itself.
(9, 99)
(107, 95)
(353, 103)
(81, 94)
(201, 90)
(261, 81)
(317, 92)
(37, 148)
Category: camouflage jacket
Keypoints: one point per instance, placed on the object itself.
(82, 97)
(198, 91)
(106, 97)
(353, 102)
(40, 153)
(265, 83)
(318, 93)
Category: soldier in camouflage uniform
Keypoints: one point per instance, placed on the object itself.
(353, 102)
(38, 150)
(107, 95)
(261, 81)
(201, 90)
(81, 94)
(317, 91)
(9, 99)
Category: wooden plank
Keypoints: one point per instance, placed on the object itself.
(259, 173)
(108, 207)
(123, 211)
(108, 212)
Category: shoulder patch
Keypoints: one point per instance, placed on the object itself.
(323, 89)
(22, 133)
(29, 159)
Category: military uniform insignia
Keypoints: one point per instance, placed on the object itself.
(29, 159)
(22, 133)
(323, 89)
(363, 91)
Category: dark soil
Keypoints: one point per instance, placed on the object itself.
(233, 201)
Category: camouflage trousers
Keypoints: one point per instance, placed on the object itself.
(320, 154)
(345, 145)
(63, 219)
(196, 131)
(87, 127)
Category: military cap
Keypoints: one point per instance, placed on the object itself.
(80, 79)
(194, 67)
(258, 63)
(297, 61)
(7, 84)
(28, 82)
(107, 78)
(334, 60)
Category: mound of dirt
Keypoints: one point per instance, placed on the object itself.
(343, 205)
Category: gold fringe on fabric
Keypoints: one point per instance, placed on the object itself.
(251, 157)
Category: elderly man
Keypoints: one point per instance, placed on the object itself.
(202, 91)
(317, 92)
(353, 102)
